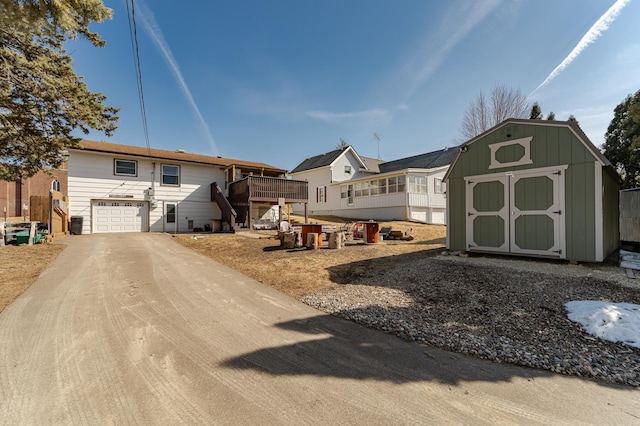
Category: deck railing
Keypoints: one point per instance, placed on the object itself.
(269, 189)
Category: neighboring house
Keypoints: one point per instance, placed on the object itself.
(343, 184)
(120, 188)
(533, 188)
(15, 196)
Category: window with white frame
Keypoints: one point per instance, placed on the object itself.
(418, 184)
(438, 187)
(347, 170)
(346, 192)
(321, 194)
(363, 189)
(396, 184)
(170, 175)
(125, 167)
(378, 187)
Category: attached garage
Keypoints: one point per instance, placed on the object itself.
(112, 216)
(533, 188)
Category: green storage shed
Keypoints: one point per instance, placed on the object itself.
(533, 188)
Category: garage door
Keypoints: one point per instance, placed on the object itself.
(120, 216)
(437, 217)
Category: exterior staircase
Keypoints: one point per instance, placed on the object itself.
(229, 214)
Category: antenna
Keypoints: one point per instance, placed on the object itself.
(375, 135)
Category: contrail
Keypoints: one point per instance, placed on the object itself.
(456, 26)
(153, 30)
(594, 32)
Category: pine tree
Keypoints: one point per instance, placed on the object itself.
(622, 140)
(536, 112)
(42, 100)
(551, 116)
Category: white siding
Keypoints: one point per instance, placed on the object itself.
(418, 200)
(91, 177)
(396, 199)
(338, 173)
(422, 207)
(316, 178)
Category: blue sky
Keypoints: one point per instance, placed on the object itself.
(279, 81)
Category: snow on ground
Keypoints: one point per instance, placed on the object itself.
(615, 322)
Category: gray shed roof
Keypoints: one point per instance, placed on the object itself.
(430, 160)
(571, 124)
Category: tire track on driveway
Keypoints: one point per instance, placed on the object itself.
(135, 329)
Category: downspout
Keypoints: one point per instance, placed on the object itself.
(153, 175)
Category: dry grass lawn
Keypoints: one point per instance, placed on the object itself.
(300, 272)
(294, 272)
(20, 266)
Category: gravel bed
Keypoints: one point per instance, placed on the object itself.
(499, 310)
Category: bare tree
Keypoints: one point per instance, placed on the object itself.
(483, 114)
(342, 145)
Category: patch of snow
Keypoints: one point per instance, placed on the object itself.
(615, 322)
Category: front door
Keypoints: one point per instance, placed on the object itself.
(170, 217)
(517, 212)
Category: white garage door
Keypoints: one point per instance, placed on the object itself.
(120, 216)
(437, 217)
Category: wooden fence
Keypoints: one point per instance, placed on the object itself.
(51, 209)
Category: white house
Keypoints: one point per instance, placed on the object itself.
(120, 188)
(343, 184)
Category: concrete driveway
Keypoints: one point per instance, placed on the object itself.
(135, 329)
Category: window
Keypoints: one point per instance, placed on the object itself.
(171, 213)
(126, 167)
(378, 187)
(347, 170)
(346, 191)
(170, 175)
(321, 194)
(437, 186)
(418, 184)
(363, 189)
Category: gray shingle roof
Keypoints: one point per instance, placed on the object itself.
(430, 160)
(318, 161)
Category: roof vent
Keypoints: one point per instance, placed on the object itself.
(181, 151)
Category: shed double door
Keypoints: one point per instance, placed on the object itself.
(516, 212)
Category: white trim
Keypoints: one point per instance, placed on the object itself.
(508, 211)
(471, 213)
(599, 157)
(447, 218)
(138, 203)
(599, 194)
(525, 159)
(558, 204)
(165, 224)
